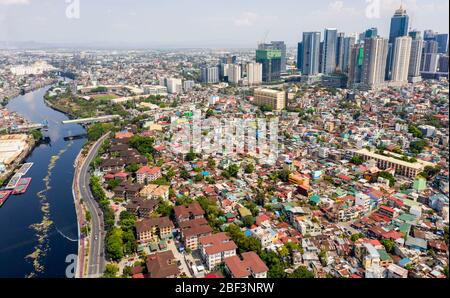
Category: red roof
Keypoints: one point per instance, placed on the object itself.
(388, 209)
(250, 264)
(148, 170)
(217, 243)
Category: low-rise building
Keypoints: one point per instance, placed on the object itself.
(153, 229)
(216, 248)
(250, 265)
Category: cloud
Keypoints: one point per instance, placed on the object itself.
(14, 2)
(249, 19)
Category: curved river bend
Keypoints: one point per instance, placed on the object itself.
(38, 230)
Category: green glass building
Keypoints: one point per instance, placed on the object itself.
(271, 64)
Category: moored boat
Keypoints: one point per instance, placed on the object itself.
(22, 186)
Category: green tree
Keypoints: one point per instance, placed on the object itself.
(113, 183)
(357, 160)
(111, 271)
(191, 156)
(284, 175)
(249, 168)
(301, 272)
(356, 237)
(211, 163)
(114, 244)
(248, 221)
(133, 168)
(388, 244)
(388, 176)
(164, 208)
(415, 131)
(144, 145)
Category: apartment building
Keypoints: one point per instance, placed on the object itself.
(153, 229)
(216, 248)
(250, 265)
(274, 99)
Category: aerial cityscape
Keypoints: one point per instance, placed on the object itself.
(323, 158)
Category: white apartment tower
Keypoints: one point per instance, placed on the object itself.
(415, 59)
(402, 56)
(234, 73)
(254, 73)
(375, 57)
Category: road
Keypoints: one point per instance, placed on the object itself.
(96, 259)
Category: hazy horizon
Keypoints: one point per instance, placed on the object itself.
(199, 23)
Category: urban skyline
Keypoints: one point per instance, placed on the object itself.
(48, 22)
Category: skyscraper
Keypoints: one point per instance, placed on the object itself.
(401, 58)
(374, 65)
(348, 43)
(442, 40)
(329, 51)
(300, 56)
(340, 51)
(276, 45)
(429, 55)
(356, 62)
(271, 64)
(372, 32)
(311, 53)
(280, 45)
(415, 57)
(399, 28)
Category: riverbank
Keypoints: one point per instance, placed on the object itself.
(17, 163)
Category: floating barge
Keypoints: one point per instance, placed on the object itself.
(4, 195)
(25, 168)
(22, 186)
(14, 182)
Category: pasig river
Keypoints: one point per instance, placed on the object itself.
(38, 229)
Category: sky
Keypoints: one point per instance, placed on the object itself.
(203, 23)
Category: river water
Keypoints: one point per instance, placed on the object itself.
(38, 230)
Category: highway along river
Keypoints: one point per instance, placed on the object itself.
(38, 229)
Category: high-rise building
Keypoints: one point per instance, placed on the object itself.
(254, 73)
(228, 59)
(429, 54)
(209, 75)
(399, 28)
(224, 71)
(416, 56)
(274, 99)
(356, 63)
(277, 45)
(430, 62)
(280, 45)
(429, 35)
(348, 44)
(329, 51)
(300, 56)
(234, 73)
(311, 53)
(372, 32)
(174, 85)
(340, 51)
(401, 58)
(375, 54)
(188, 85)
(442, 40)
(443, 63)
(271, 63)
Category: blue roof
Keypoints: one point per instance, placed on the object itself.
(248, 233)
(404, 262)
